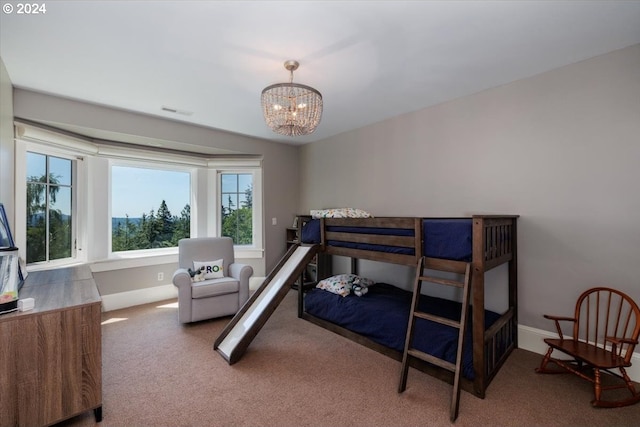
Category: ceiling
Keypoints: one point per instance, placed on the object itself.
(371, 60)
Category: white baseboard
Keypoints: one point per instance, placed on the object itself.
(138, 297)
(148, 295)
(531, 339)
(255, 282)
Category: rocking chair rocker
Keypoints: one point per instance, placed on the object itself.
(606, 326)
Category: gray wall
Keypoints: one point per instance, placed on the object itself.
(6, 144)
(280, 171)
(561, 149)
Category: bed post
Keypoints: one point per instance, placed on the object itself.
(477, 295)
(323, 236)
(513, 278)
(419, 239)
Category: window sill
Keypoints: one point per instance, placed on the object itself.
(243, 253)
(136, 259)
(52, 265)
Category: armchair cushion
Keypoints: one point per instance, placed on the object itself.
(212, 269)
(214, 287)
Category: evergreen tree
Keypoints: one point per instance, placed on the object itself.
(130, 230)
(182, 229)
(142, 238)
(117, 239)
(164, 225)
(249, 197)
(153, 230)
(59, 232)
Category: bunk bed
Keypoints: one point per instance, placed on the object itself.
(484, 241)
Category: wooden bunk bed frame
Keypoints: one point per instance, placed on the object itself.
(494, 244)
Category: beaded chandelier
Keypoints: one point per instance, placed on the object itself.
(291, 109)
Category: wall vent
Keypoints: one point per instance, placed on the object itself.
(176, 111)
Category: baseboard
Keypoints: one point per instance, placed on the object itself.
(148, 295)
(139, 296)
(531, 339)
(255, 282)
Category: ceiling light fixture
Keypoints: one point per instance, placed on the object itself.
(291, 109)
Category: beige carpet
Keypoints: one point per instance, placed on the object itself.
(157, 372)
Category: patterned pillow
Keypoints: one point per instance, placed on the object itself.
(340, 213)
(341, 284)
(212, 269)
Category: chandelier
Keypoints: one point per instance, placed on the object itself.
(291, 109)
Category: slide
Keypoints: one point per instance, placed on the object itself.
(245, 325)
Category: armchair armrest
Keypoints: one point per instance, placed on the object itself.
(241, 272)
(617, 344)
(181, 278)
(557, 320)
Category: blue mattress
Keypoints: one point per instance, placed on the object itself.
(442, 238)
(382, 316)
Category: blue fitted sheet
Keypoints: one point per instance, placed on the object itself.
(382, 316)
(446, 238)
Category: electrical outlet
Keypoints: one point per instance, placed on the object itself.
(274, 221)
(160, 277)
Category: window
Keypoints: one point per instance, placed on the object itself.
(114, 207)
(236, 195)
(150, 207)
(50, 197)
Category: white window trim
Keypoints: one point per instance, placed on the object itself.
(79, 206)
(143, 164)
(204, 206)
(214, 206)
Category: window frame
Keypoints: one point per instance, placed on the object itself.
(216, 170)
(141, 164)
(94, 179)
(78, 209)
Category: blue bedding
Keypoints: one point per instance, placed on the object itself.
(442, 238)
(383, 313)
(448, 238)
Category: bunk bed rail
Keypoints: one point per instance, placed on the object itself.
(408, 239)
(496, 236)
(494, 244)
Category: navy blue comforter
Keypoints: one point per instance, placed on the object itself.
(383, 313)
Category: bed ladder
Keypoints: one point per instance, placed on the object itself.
(414, 313)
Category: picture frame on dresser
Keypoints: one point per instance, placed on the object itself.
(11, 278)
(6, 240)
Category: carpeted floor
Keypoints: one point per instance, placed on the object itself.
(157, 372)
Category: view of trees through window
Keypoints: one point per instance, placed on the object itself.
(49, 209)
(150, 230)
(237, 207)
(142, 199)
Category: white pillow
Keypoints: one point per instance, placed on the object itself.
(342, 284)
(212, 269)
(340, 213)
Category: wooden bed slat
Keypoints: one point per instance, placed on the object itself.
(377, 222)
(372, 239)
(372, 255)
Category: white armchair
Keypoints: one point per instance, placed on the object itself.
(215, 296)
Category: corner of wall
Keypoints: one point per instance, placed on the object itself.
(7, 151)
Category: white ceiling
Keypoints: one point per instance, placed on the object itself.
(371, 60)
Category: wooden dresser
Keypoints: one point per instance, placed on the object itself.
(51, 356)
